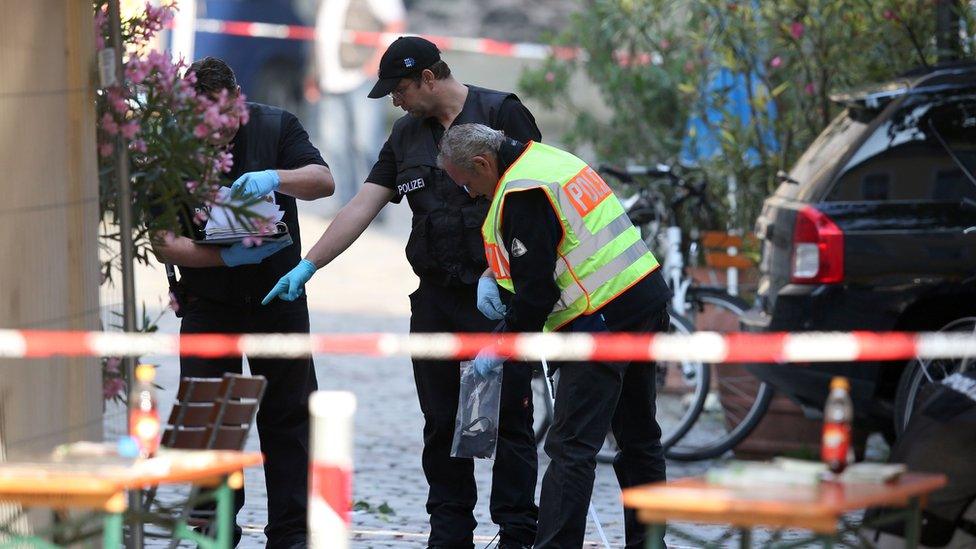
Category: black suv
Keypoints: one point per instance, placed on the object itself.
(874, 228)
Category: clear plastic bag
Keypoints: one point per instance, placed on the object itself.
(476, 424)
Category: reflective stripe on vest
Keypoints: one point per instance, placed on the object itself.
(601, 253)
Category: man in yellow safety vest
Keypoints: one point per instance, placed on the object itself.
(561, 246)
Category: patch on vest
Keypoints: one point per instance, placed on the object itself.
(410, 186)
(518, 249)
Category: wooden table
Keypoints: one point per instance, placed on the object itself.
(100, 485)
(819, 509)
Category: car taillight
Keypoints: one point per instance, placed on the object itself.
(818, 249)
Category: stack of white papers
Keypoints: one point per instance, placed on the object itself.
(875, 473)
(751, 474)
(225, 225)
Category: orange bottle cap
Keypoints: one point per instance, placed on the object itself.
(145, 373)
(840, 382)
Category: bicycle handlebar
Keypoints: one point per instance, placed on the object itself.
(685, 189)
(628, 173)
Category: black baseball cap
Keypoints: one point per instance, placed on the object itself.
(406, 56)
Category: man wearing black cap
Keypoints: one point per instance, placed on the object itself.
(445, 250)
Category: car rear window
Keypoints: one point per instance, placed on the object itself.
(830, 145)
(905, 159)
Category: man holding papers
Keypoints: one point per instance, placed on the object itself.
(222, 287)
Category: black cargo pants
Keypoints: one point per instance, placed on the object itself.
(452, 495)
(282, 419)
(591, 399)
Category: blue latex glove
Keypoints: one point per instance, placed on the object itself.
(239, 254)
(487, 363)
(489, 302)
(254, 184)
(291, 286)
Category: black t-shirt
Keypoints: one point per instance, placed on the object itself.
(513, 119)
(250, 283)
(529, 217)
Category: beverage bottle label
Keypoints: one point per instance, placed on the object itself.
(835, 443)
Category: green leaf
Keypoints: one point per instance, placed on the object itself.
(361, 505)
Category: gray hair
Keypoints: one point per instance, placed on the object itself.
(463, 142)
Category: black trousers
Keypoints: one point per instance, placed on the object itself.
(282, 418)
(591, 399)
(452, 495)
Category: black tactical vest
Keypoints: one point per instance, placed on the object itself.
(255, 148)
(445, 245)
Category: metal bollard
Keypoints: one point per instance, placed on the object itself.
(330, 469)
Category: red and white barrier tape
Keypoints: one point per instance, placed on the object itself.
(485, 46)
(700, 346)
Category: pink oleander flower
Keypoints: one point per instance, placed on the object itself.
(889, 15)
(776, 62)
(106, 149)
(797, 29)
(109, 124)
(129, 129)
(809, 89)
(214, 118)
(136, 71)
(156, 18)
(162, 63)
(117, 100)
(201, 131)
(113, 388)
(192, 185)
(224, 161)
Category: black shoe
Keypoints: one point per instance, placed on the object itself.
(512, 544)
(205, 530)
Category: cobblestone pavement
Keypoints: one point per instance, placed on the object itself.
(388, 443)
(366, 290)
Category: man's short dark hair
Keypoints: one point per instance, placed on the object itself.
(439, 68)
(213, 75)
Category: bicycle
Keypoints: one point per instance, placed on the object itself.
(722, 421)
(682, 389)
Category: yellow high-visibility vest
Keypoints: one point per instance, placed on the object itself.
(601, 253)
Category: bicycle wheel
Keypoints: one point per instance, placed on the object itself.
(921, 374)
(682, 387)
(737, 400)
(682, 390)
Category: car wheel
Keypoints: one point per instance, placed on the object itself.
(921, 374)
